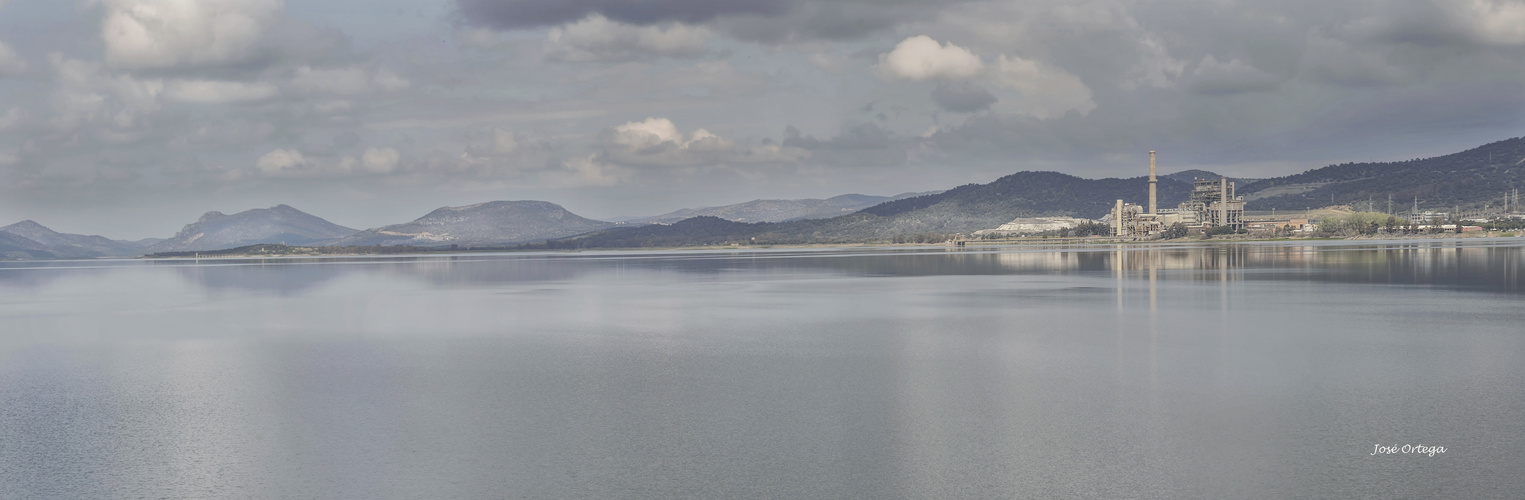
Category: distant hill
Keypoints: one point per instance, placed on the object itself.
(1025, 194)
(76, 245)
(14, 246)
(1468, 179)
(493, 223)
(963, 209)
(278, 224)
(1187, 176)
(779, 210)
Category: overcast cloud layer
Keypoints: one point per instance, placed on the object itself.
(130, 118)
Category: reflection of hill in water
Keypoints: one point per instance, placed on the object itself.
(31, 276)
(485, 270)
(1481, 265)
(287, 276)
(281, 277)
(1468, 265)
(1465, 265)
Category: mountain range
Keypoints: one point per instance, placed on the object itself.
(75, 245)
(963, 209)
(16, 247)
(777, 210)
(1471, 178)
(493, 223)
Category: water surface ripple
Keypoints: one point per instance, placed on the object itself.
(1264, 370)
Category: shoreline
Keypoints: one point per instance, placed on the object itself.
(312, 252)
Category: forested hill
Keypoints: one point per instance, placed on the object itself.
(1032, 193)
(1470, 178)
(963, 209)
(1187, 176)
(778, 210)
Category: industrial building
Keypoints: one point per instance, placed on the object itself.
(1212, 203)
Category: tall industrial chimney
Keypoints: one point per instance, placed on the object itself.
(1223, 201)
(1151, 182)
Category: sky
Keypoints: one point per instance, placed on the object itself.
(131, 118)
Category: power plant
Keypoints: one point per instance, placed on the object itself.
(1212, 203)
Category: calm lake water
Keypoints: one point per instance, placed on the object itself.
(1265, 370)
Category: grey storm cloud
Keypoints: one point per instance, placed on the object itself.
(515, 14)
(866, 136)
(619, 107)
(962, 97)
(843, 20)
(766, 21)
(1233, 77)
(857, 145)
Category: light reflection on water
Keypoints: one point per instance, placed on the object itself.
(1251, 370)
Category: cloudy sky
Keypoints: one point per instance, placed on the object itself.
(129, 118)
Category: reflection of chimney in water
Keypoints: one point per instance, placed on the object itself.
(1151, 182)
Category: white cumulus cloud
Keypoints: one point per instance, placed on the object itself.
(825, 62)
(1155, 68)
(921, 58)
(335, 81)
(1045, 91)
(380, 160)
(85, 94)
(10, 62)
(492, 143)
(1492, 22)
(292, 163)
(345, 81)
(166, 33)
(283, 162)
(217, 91)
(503, 141)
(657, 141)
(10, 119)
(596, 38)
(388, 80)
(649, 133)
(655, 134)
(586, 171)
(481, 38)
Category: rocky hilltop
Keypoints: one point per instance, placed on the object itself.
(492, 223)
(73, 245)
(13, 247)
(277, 224)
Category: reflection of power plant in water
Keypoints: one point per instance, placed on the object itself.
(1212, 203)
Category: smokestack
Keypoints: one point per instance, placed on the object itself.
(1223, 200)
(1151, 182)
